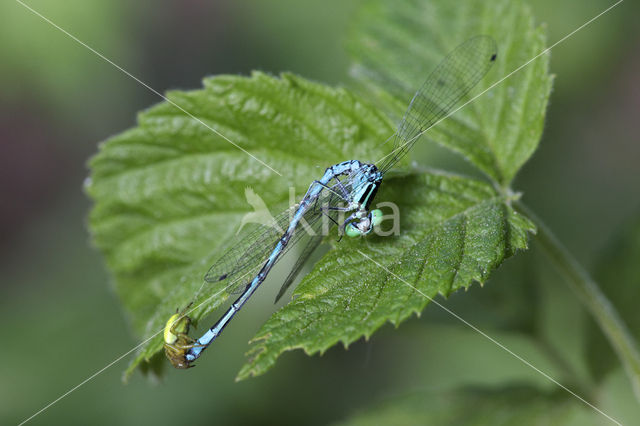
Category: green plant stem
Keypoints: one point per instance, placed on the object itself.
(595, 301)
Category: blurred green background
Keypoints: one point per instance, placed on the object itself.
(61, 322)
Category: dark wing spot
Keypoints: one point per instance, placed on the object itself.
(222, 277)
(493, 57)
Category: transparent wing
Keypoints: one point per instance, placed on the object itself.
(238, 265)
(310, 247)
(250, 250)
(451, 80)
(340, 187)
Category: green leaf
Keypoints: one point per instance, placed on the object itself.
(517, 405)
(618, 274)
(455, 230)
(170, 194)
(395, 45)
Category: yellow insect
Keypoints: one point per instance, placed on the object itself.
(177, 341)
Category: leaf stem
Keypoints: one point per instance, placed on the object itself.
(592, 297)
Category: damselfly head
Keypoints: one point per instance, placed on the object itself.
(176, 340)
(176, 325)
